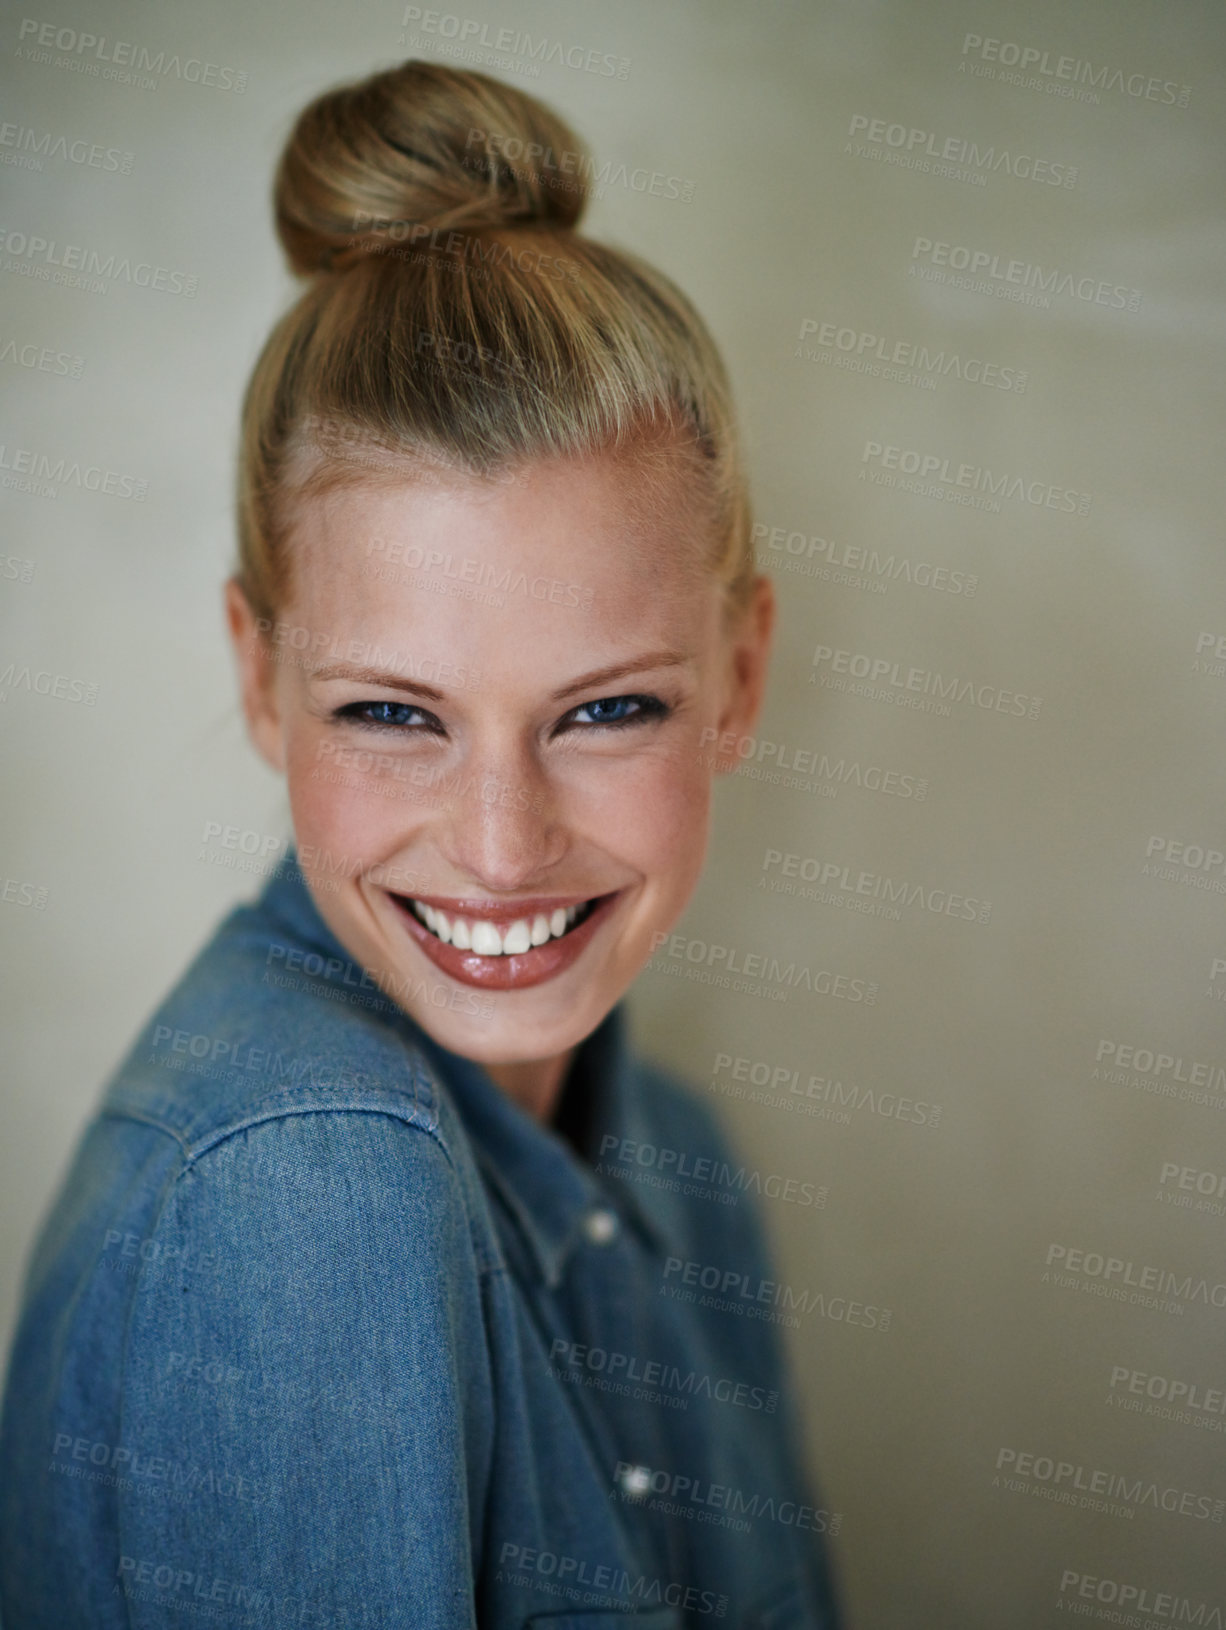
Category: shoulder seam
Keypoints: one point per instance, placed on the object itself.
(486, 1263)
(409, 1116)
(108, 1112)
(343, 1091)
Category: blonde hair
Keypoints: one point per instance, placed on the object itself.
(453, 317)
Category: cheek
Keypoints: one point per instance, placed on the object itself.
(334, 799)
(656, 819)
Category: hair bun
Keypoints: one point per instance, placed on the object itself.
(426, 144)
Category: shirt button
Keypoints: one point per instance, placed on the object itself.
(635, 1481)
(600, 1225)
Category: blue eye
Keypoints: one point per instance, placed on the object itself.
(606, 712)
(618, 710)
(396, 715)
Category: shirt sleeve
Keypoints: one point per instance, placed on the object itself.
(305, 1396)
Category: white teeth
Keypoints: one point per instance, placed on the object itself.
(487, 941)
(472, 934)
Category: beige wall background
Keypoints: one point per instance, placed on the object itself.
(983, 405)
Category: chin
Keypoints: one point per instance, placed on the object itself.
(508, 1038)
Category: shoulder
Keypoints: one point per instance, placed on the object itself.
(275, 1064)
(348, 1194)
(314, 1287)
(263, 1025)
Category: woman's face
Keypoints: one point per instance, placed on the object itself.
(498, 707)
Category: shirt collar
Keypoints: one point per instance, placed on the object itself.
(548, 1186)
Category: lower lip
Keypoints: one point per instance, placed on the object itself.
(516, 972)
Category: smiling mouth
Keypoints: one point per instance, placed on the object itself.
(483, 938)
(505, 947)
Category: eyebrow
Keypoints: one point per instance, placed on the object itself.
(390, 680)
(384, 677)
(618, 670)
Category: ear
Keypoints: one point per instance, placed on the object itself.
(748, 662)
(257, 676)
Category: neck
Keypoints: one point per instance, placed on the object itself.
(535, 1084)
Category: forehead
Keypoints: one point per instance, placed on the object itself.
(607, 542)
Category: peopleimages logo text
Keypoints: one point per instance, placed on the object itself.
(1132, 1490)
(617, 1369)
(862, 350)
(90, 51)
(933, 258)
(885, 676)
(75, 265)
(960, 150)
(1099, 76)
(472, 34)
(1123, 1597)
(1070, 1263)
(973, 478)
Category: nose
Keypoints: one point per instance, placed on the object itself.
(501, 828)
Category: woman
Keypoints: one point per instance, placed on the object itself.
(352, 1310)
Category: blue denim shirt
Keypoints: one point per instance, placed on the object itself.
(324, 1329)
